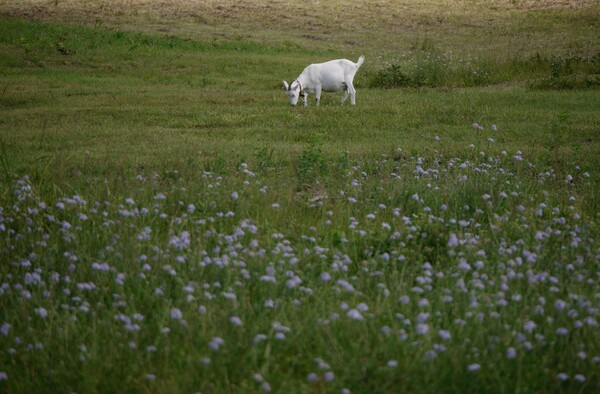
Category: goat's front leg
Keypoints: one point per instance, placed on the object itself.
(305, 97)
(318, 94)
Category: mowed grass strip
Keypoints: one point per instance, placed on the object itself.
(125, 97)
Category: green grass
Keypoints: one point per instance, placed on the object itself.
(127, 131)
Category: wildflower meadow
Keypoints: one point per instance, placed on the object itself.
(170, 230)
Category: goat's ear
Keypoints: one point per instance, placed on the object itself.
(297, 86)
(286, 86)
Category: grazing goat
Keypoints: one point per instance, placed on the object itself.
(331, 76)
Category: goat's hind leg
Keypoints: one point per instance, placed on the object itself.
(352, 93)
(345, 93)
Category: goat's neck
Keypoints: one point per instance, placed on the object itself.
(303, 81)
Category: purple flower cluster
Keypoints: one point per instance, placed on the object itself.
(498, 274)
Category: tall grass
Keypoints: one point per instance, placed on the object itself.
(434, 69)
(456, 272)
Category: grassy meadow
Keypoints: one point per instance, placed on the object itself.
(169, 224)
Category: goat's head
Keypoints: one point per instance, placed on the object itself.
(292, 92)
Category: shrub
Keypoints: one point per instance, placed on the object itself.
(569, 72)
(311, 164)
(431, 69)
(391, 77)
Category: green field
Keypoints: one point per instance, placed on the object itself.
(168, 223)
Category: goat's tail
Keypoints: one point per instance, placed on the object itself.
(360, 61)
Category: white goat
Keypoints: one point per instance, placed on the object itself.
(331, 76)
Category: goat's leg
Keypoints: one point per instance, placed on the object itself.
(345, 94)
(352, 93)
(318, 94)
(305, 97)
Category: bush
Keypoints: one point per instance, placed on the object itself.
(311, 164)
(572, 72)
(431, 69)
(391, 77)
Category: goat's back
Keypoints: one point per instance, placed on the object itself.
(341, 67)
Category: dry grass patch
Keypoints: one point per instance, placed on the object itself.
(489, 27)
